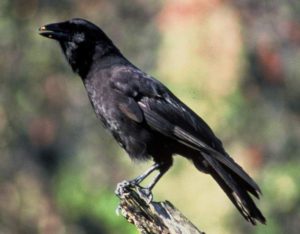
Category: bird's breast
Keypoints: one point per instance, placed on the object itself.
(131, 135)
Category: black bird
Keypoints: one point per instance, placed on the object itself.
(146, 118)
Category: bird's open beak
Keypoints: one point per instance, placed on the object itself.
(54, 31)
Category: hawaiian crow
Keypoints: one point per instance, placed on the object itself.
(146, 118)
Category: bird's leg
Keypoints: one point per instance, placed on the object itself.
(143, 176)
(162, 170)
(146, 192)
(136, 182)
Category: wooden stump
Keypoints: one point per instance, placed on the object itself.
(151, 217)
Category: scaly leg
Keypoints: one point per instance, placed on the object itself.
(143, 176)
(146, 192)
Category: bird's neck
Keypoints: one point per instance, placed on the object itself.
(86, 59)
(103, 59)
(102, 52)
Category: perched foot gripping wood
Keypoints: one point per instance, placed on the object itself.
(151, 217)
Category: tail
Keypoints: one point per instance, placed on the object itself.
(236, 187)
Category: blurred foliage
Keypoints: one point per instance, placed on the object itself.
(235, 62)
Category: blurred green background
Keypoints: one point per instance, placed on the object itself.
(236, 63)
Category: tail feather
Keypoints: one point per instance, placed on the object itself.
(242, 201)
(245, 185)
(236, 189)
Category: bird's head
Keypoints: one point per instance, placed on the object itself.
(79, 39)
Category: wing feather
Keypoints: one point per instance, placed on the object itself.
(166, 114)
(172, 130)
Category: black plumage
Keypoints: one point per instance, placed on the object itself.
(146, 118)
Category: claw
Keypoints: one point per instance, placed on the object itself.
(121, 187)
(145, 193)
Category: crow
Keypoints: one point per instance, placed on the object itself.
(145, 117)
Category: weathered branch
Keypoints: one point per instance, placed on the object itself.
(151, 217)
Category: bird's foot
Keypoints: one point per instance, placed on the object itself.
(121, 187)
(144, 193)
